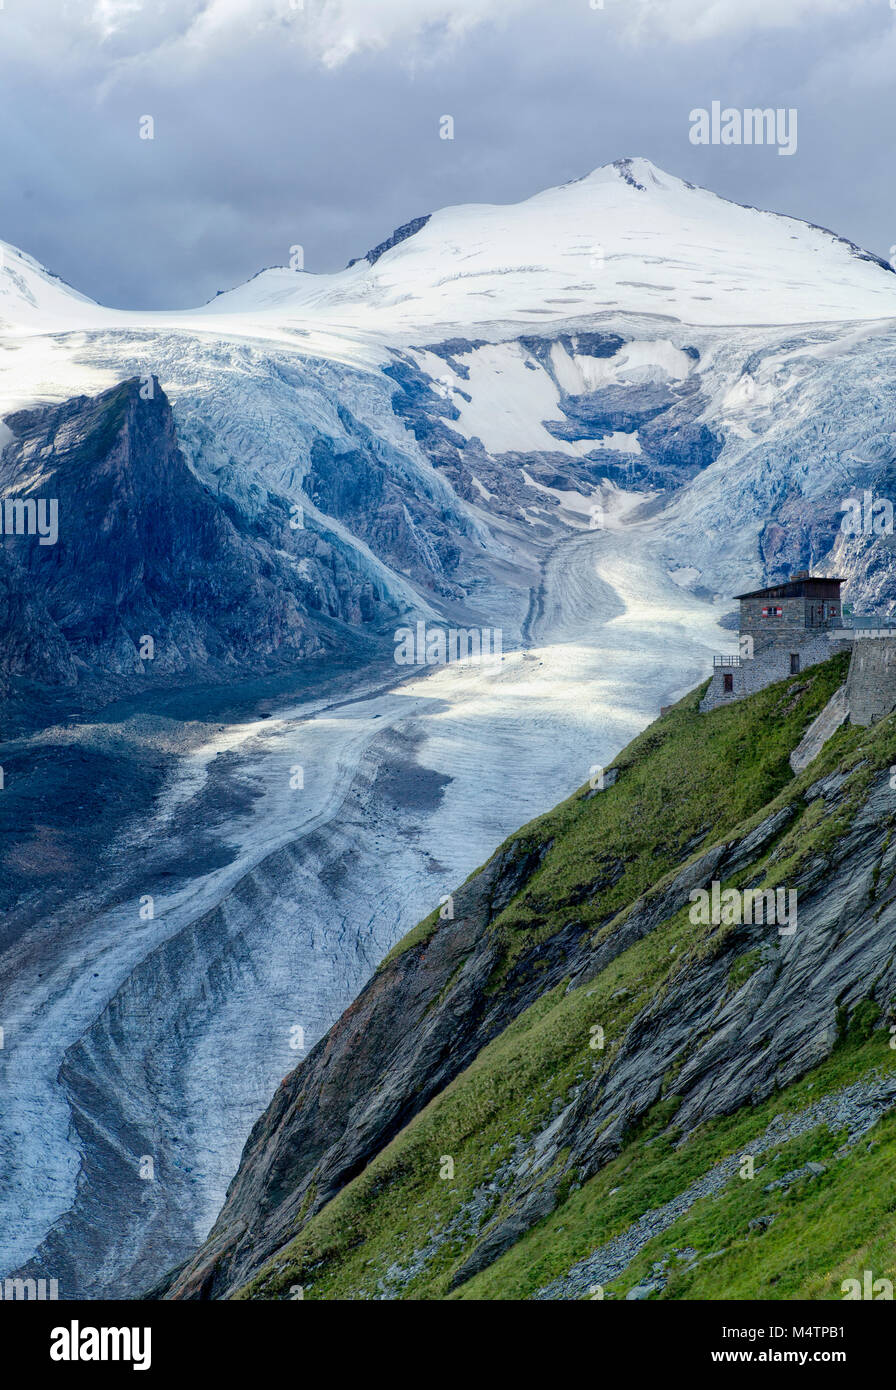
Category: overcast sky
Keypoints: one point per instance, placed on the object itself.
(279, 123)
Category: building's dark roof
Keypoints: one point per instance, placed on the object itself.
(800, 586)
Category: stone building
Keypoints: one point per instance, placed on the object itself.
(783, 629)
(785, 615)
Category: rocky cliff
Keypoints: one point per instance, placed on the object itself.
(152, 577)
(535, 1090)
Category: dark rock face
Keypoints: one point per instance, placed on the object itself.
(673, 443)
(615, 408)
(405, 530)
(399, 235)
(684, 448)
(145, 550)
(32, 645)
(587, 344)
(424, 410)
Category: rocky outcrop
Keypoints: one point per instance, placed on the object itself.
(820, 730)
(152, 578)
(400, 234)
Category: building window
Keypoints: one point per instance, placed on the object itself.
(728, 683)
(772, 612)
(794, 663)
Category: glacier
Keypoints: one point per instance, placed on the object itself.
(587, 420)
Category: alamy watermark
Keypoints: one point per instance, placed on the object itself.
(869, 1288)
(752, 126)
(867, 515)
(29, 1290)
(732, 907)
(77, 1343)
(31, 516)
(437, 646)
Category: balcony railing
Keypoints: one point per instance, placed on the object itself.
(727, 661)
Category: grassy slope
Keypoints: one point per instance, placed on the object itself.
(686, 782)
(826, 1228)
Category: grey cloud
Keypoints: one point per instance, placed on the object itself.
(259, 145)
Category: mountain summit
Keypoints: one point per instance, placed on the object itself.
(627, 237)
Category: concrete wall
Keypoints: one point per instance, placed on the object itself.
(871, 683)
(770, 665)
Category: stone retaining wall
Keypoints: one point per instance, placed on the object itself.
(771, 665)
(871, 683)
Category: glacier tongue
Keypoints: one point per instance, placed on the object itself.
(168, 1037)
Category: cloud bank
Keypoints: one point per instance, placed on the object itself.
(280, 123)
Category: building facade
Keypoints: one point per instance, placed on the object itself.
(783, 629)
(789, 614)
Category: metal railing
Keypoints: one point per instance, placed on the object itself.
(868, 625)
(852, 628)
(727, 660)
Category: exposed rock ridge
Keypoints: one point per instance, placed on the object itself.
(145, 550)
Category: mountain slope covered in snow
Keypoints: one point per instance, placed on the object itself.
(626, 236)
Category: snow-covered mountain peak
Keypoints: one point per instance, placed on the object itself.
(634, 170)
(628, 238)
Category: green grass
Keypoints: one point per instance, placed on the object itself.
(687, 782)
(825, 1229)
(684, 783)
(647, 1176)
